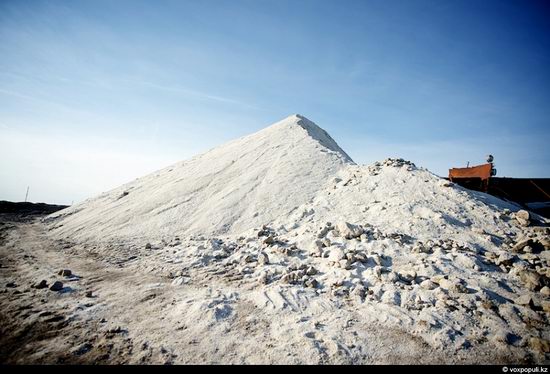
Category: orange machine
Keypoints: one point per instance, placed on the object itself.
(474, 177)
(531, 193)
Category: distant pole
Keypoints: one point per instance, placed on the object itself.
(27, 194)
(468, 165)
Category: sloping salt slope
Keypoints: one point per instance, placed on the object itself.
(389, 246)
(231, 188)
(396, 196)
(397, 247)
(423, 254)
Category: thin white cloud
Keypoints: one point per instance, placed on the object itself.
(36, 99)
(189, 92)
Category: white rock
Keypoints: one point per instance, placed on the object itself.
(377, 259)
(428, 285)
(179, 281)
(263, 279)
(523, 216)
(315, 249)
(467, 262)
(391, 297)
(348, 230)
(504, 259)
(454, 285)
(524, 300)
(336, 254)
(263, 258)
(407, 276)
(311, 271)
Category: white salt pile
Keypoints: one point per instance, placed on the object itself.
(287, 219)
(234, 187)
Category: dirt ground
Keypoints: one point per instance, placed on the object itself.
(122, 309)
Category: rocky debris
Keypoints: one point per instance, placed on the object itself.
(148, 246)
(419, 247)
(399, 238)
(220, 254)
(505, 337)
(311, 270)
(523, 217)
(265, 231)
(518, 247)
(534, 244)
(297, 274)
(452, 285)
(11, 285)
(264, 278)
(505, 259)
(311, 283)
(439, 245)
(293, 277)
(428, 285)
(479, 230)
(56, 286)
(180, 280)
(42, 284)
(539, 345)
(176, 241)
(544, 243)
(115, 330)
(176, 274)
(89, 294)
(376, 168)
(397, 162)
(468, 261)
(316, 249)
(287, 250)
(263, 258)
(325, 230)
(377, 259)
(531, 279)
(407, 276)
(348, 230)
(65, 273)
(269, 240)
(545, 291)
(526, 300)
(82, 350)
(336, 254)
(359, 292)
(359, 257)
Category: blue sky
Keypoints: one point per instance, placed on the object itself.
(97, 93)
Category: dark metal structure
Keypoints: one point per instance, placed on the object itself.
(531, 193)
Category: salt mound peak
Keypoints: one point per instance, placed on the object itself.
(313, 130)
(231, 188)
